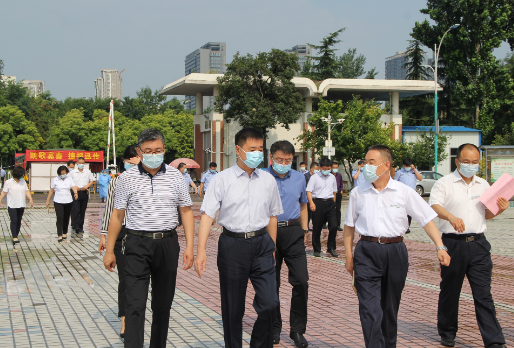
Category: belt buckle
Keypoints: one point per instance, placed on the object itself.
(282, 224)
(247, 235)
(470, 239)
(157, 233)
(380, 240)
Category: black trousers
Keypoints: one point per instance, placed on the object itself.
(62, 211)
(144, 258)
(16, 214)
(380, 274)
(410, 219)
(120, 263)
(241, 259)
(309, 216)
(325, 212)
(473, 260)
(339, 199)
(291, 249)
(78, 211)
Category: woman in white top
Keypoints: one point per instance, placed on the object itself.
(62, 185)
(16, 190)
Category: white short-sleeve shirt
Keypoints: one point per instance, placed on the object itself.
(322, 186)
(16, 193)
(461, 200)
(81, 178)
(62, 189)
(384, 213)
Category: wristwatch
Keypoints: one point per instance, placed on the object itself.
(442, 247)
(305, 231)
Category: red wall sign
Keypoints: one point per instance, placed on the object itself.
(63, 155)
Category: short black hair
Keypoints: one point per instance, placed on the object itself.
(385, 152)
(70, 162)
(150, 134)
(61, 168)
(314, 164)
(18, 172)
(302, 163)
(247, 133)
(130, 152)
(335, 163)
(407, 162)
(282, 145)
(360, 162)
(325, 162)
(181, 165)
(463, 146)
(81, 158)
(213, 164)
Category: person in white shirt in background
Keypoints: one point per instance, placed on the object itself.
(378, 211)
(187, 178)
(62, 185)
(17, 191)
(455, 198)
(83, 179)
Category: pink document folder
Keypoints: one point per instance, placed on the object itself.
(503, 187)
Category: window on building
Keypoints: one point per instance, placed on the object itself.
(453, 156)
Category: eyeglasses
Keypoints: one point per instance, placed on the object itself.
(150, 152)
(283, 161)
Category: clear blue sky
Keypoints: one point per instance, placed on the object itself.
(66, 43)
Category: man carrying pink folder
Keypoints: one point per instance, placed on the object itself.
(456, 200)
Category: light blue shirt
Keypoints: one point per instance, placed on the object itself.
(2, 173)
(187, 178)
(322, 186)
(245, 203)
(206, 178)
(406, 177)
(360, 179)
(292, 193)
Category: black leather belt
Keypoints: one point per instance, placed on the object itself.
(153, 235)
(288, 223)
(382, 240)
(323, 199)
(245, 235)
(465, 237)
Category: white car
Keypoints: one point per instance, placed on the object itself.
(429, 178)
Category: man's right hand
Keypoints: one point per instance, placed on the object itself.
(349, 263)
(200, 262)
(109, 261)
(457, 224)
(102, 244)
(313, 207)
(47, 204)
(200, 194)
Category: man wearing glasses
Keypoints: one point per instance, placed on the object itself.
(149, 195)
(290, 246)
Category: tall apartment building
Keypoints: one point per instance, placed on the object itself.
(35, 87)
(303, 52)
(109, 84)
(8, 78)
(394, 69)
(210, 58)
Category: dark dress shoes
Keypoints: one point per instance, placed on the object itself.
(299, 340)
(333, 253)
(447, 342)
(317, 254)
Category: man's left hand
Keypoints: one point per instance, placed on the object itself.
(503, 203)
(189, 257)
(443, 257)
(413, 167)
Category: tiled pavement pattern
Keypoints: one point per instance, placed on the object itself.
(59, 295)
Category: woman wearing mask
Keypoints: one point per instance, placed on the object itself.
(130, 159)
(103, 182)
(16, 190)
(62, 185)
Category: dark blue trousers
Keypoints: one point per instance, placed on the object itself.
(380, 274)
(241, 259)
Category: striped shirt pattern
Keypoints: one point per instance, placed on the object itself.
(150, 203)
(109, 206)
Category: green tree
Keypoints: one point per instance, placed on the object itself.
(421, 151)
(474, 84)
(70, 131)
(258, 91)
(415, 61)
(325, 65)
(371, 74)
(17, 134)
(350, 65)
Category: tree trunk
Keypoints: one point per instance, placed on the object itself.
(477, 112)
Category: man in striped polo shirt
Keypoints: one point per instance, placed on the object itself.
(148, 194)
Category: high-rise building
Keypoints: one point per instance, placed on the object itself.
(394, 69)
(109, 84)
(210, 58)
(303, 52)
(8, 78)
(35, 87)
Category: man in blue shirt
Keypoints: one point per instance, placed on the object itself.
(206, 177)
(358, 177)
(290, 247)
(2, 175)
(409, 176)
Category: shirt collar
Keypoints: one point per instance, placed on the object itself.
(272, 172)
(239, 171)
(142, 170)
(391, 185)
(457, 177)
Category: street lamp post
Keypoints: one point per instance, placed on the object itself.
(329, 121)
(437, 50)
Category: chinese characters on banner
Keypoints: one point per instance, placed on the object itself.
(500, 166)
(63, 155)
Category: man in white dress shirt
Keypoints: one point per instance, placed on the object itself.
(378, 211)
(455, 198)
(83, 179)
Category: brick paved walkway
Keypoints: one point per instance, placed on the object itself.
(59, 295)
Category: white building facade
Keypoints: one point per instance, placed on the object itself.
(109, 84)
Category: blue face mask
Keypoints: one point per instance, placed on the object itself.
(325, 172)
(468, 170)
(213, 171)
(335, 170)
(253, 159)
(315, 171)
(362, 168)
(407, 168)
(128, 165)
(153, 161)
(302, 169)
(281, 168)
(370, 172)
(81, 166)
(63, 176)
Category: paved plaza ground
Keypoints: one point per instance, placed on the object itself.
(59, 294)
